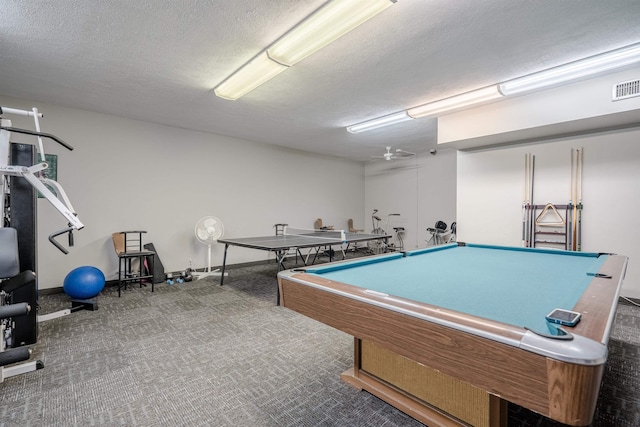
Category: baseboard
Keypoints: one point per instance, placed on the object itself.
(51, 291)
(218, 267)
(629, 300)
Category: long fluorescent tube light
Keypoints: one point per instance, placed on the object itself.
(250, 76)
(574, 70)
(583, 68)
(331, 21)
(455, 102)
(379, 122)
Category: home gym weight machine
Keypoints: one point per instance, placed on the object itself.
(13, 312)
(19, 178)
(34, 175)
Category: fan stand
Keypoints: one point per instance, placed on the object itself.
(208, 273)
(208, 230)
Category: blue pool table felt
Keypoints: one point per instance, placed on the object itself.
(511, 285)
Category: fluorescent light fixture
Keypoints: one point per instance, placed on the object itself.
(583, 68)
(379, 122)
(574, 70)
(455, 102)
(250, 76)
(330, 22)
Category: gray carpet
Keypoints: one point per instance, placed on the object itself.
(197, 354)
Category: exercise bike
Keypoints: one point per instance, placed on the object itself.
(399, 240)
(381, 245)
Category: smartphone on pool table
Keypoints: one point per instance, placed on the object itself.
(564, 317)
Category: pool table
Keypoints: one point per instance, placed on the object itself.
(450, 334)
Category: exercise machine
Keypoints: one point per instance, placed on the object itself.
(15, 335)
(380, 246)
(399, 240)
(34, 174)
(12, 348)
(9, 356)
(439, 233)
(22, 173)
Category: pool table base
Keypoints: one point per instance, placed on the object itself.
(425, 394)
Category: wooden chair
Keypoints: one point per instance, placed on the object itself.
(135, 264)
(318, 225)
(352, 229)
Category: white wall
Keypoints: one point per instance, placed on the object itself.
(126, 174)
(129, 175)
(422, 189)
(490, 189)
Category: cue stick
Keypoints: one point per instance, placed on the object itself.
(524, 201)
(569, 227)
(575, 198)
(579, 237)
(532, 243)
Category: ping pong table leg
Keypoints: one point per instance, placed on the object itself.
(316, 255)
(280, 256)
(224, 263)
(304, 261)
(331, 251)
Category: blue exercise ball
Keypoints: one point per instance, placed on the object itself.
(84, 282)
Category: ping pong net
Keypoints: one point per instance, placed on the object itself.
(320, 235)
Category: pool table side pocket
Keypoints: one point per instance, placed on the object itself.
(599, 302)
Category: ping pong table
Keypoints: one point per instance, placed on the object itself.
(280, 245)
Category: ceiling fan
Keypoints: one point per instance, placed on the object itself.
(392, 155)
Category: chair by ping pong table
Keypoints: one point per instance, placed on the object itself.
(297, 239)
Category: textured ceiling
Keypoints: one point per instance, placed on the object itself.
(158, 60)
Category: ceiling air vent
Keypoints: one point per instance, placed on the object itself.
(625, 90)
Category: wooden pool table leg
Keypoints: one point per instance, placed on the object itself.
(499, 411)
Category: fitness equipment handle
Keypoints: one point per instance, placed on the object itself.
(42, 134)
(56, 234)
(17, 112)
